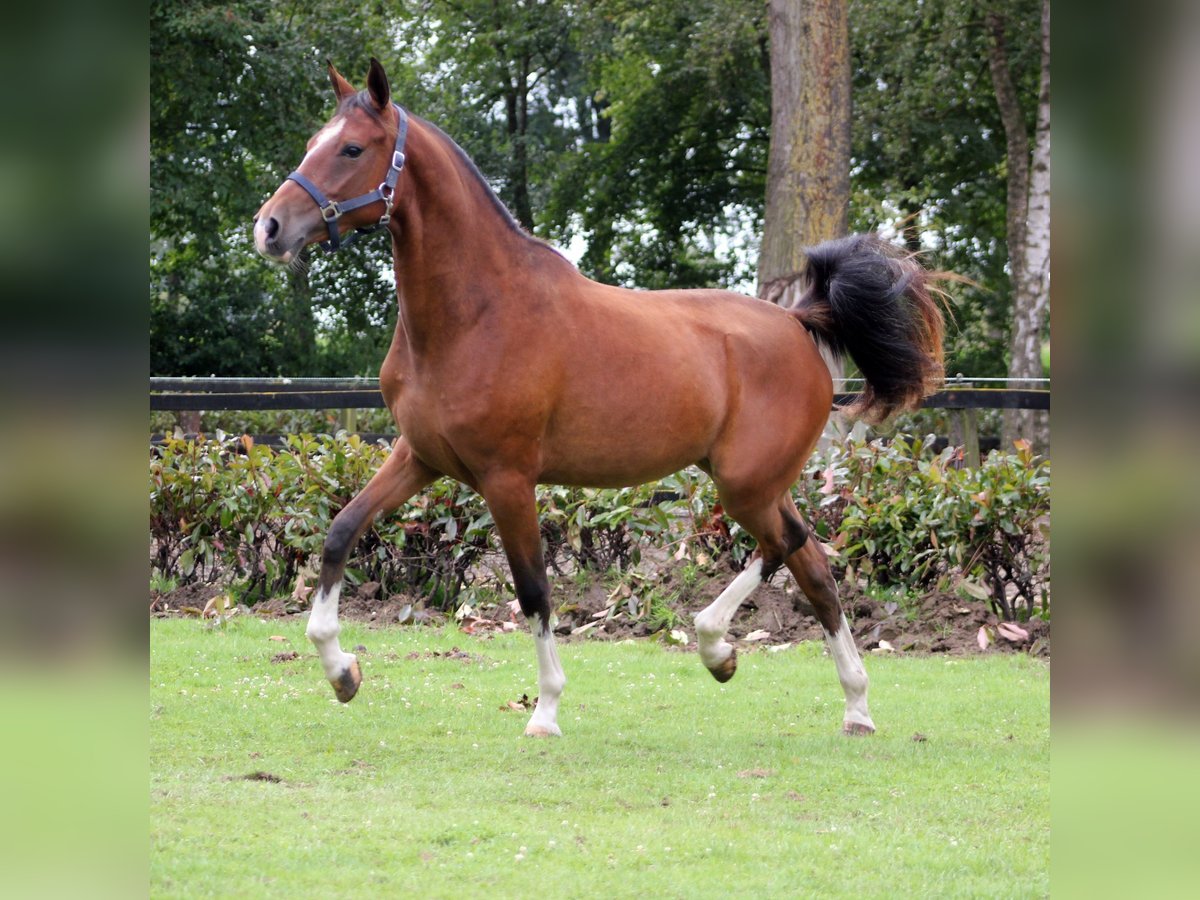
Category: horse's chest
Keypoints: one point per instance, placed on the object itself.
(431, 419)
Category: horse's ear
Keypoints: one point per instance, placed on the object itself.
(377, 85)
(341, 87)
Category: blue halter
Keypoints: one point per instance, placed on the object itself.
(332, 210)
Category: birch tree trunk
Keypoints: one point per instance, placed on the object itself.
(1028, 224)
(808, 164)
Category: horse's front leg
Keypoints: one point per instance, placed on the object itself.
(400, 476)
(511, 500)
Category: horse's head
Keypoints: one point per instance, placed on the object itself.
(347, 178)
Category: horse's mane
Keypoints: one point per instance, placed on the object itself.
(362, 101)
(469, 164)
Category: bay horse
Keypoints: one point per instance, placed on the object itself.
(508, 368)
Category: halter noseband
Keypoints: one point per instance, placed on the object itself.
(332, 210)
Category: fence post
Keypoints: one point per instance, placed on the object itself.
(970, 427)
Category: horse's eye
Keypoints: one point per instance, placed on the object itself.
(352, 151)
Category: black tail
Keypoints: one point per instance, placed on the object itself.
(872, 302)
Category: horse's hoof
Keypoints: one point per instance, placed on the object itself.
(724, 671)
(532, 730)
(857, 729)
(345, 686)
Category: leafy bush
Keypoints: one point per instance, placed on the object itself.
(258, 516)
(898, 514)
(892, 511)
(279, 421)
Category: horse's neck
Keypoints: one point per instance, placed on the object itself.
(456, 252)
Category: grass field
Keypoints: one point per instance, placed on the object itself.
(664, 784)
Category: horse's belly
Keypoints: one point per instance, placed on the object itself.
(629, 447)
(615, 470)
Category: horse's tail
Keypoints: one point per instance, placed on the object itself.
(868, 300)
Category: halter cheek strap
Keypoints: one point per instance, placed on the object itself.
(332, 210)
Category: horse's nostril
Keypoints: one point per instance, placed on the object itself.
(272, 227)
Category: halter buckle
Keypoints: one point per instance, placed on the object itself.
(398, 160)
(332, 212)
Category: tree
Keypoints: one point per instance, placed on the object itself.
(1028, 218)
(236, 88)
(808, 172)
(502, 70)
(929, 152)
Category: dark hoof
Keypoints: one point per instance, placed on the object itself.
(724, 671)
(346, 684)
(857, 729)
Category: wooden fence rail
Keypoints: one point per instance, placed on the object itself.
(224, 394)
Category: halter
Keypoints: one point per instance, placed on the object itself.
(332, 210)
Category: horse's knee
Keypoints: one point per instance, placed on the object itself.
(795, 532)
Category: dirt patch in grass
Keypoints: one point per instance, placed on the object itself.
(255, 776)
(187, 600)
(453, 653)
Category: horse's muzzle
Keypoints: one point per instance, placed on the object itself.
(270, 240)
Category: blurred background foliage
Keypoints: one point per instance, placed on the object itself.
(631, 133)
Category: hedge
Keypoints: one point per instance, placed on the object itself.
(890, 511)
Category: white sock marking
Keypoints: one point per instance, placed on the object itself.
(851, 674)
(551, 681)
(323, 629)
(713, 621)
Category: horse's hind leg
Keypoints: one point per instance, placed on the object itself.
(510, 497)
(777, 536)
(783, 538)
(400, 476)
(811, 569)
(717, 654)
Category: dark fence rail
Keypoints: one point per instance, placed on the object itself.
(225, 394)
(222, 394)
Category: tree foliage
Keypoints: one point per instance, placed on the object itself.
(236, 88)
(634, 132)
(929, 148)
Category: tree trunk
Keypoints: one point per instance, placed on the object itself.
(1028, 222)
(299, 332)
(808, 164)
(516, 106)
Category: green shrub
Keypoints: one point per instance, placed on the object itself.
(257, 516)
(894, 512)
(280, 421)
(899, 514)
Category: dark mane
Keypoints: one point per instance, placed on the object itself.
(362, 101)
(469, 163)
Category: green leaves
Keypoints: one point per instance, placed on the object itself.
(907, 516)
(894, 512)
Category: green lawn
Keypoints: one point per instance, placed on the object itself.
(664, 784)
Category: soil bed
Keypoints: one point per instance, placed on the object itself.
(776, 613)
